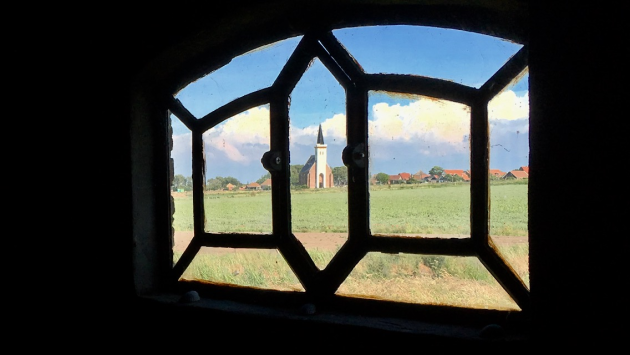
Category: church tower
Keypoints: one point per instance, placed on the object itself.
(321, 162)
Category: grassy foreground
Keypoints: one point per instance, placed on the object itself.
(423, 209)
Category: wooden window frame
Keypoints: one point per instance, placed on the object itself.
(319, 285)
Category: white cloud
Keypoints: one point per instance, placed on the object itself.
(242, 138)
(424, 123)
(508, 106)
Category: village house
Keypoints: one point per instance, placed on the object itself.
(465, 175)
(266, 185)
(516, 174)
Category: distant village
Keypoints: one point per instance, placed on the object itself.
(450, 175)
(447, 175)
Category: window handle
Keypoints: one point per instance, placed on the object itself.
(272, 161)
(354, 156)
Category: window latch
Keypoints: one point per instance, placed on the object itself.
(272, 161)
(354, 156)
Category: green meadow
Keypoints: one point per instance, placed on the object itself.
(421, 208)
(403, 209)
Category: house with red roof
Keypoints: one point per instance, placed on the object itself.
(266, 185)
(400, 178)
(516, 174)
(253, 186)
(497, 173)
(465, 175)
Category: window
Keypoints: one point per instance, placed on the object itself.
(269, 263)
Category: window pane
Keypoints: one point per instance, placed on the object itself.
(238, 195)
(246, 73)
(319, 198)
(181, 186)
(419, 160)
(509, 175)
(427, 51)
(426, 279)
(257, 268)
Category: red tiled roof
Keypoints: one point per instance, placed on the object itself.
(405, 176)
(461, 173)
(496, 172)
(524, 168)
(266, 183)
(519, 174)
(421, 176)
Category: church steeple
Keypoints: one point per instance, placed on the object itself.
(320, 136)
(323, 180)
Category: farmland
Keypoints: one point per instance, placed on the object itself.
(404, 209)
(320, 222)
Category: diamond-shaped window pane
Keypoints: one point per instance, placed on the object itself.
(319, 197)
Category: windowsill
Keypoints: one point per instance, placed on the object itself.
(371, 326)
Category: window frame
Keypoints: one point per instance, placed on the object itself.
(151, 109)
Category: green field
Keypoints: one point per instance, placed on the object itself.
(423, 208)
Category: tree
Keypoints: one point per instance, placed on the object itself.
(436, 170)
(382, 178)
(219, 182)
(295, 174)
(340, 175)
(452, 178)
(213, 184)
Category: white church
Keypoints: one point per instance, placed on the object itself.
(316, 173)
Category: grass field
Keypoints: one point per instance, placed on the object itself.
(421, 209)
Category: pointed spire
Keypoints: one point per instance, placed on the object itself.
(320, 136)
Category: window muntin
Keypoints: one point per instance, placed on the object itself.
(317, 282)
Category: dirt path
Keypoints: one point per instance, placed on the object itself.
(330, 241)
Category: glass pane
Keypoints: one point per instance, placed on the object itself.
(246, 73)
(238, 194)
(181, 187)
(509, 162)
(319, 198)
(259, 268)
(419, 161)
(426, 279)
(463, 57)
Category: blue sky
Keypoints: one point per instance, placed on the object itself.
(407, 134)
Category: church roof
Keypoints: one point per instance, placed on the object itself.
(309, 163)
(320, 136)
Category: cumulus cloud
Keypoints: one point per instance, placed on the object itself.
(508, 106)
(425, 118)
(242, 138)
